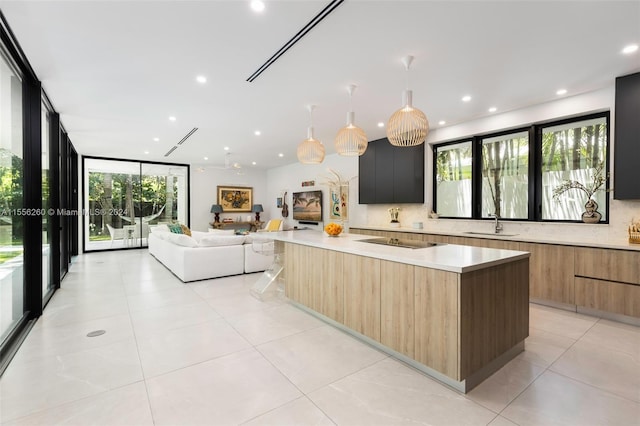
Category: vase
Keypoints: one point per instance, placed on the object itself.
(591, 214)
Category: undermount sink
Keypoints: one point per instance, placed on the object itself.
(493, 234)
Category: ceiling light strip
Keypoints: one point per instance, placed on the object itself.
(187, 135)
(288, 45)
(171, 150)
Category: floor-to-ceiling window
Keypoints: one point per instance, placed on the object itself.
(31, 189)
(11, 199)
(47, 277)
(122, 199)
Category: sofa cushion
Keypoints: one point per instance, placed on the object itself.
(161, 235)
(223, 240)
(223, 231)
(181, 240)
(159, 228)
(185, 230)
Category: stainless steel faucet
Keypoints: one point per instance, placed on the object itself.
(498, 224)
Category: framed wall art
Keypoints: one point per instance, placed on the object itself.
(235, 199)
(339, 202)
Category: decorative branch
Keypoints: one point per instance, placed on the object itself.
(597, 180)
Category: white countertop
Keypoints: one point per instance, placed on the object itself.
(446, 257)
(580, 240)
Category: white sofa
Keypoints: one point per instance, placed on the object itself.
(203, 255)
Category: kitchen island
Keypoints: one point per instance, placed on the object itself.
(455, 312)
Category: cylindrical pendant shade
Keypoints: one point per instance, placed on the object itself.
(408, 126)
(310, 150)
(351, 140)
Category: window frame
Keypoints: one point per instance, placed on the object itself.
(535, 168)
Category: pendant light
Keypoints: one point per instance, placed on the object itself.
(408, 126)
(310, 150)
(351, 140)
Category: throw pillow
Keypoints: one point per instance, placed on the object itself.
(176, 229)
(185, 230)
(221, 241)
(181, 240)
(274, 225)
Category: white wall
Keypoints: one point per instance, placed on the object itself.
(289, 177)
(203, 192)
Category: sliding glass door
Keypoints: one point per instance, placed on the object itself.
(12, 295)
(123, 199)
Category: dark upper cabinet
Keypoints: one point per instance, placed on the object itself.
(390, 174)
(626, 170)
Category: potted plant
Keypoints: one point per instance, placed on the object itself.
(591, 214)
(393, 211)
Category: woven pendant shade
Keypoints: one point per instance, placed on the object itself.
(408, 126)
(351, 140)
(310, 150)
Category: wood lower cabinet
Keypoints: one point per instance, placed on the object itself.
(397, 306)
(551, 272)
(362, 295)
(314, 279)
(436, 316)
(608, 280)
(609, 296)
(605, 264)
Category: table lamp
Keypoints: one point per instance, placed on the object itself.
(257, 209)
(216, 209)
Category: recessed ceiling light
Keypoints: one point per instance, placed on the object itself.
(493, 109)
(257, 5)
(226, 148)
(201, 79)
(561, 92)
(146, 152)
(381, 124)
(442, 122)
(281, 155)
(172, 118)
(156, 139)
(253, 163)
(206, 158)
(630, 49)
(466, 98)
(257, 133)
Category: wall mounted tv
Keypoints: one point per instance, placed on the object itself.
(307, 206)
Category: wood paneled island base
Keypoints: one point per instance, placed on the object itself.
(458, 324)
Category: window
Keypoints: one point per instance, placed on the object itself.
(453, 179)
(505, 176)
(573, 152)
(546, 172)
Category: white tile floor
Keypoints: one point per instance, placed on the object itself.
(208, 353)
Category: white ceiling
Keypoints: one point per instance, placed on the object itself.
(116, 70)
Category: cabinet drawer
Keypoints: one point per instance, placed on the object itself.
(605, 264)
(608, 296)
